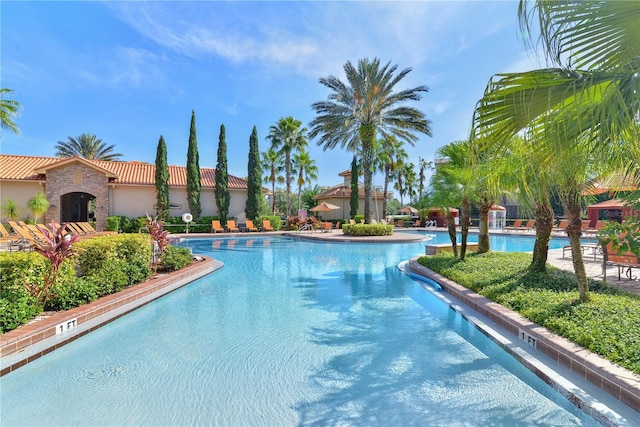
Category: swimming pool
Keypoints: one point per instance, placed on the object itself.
(498, 242)
(288, 333)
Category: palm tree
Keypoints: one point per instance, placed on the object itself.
(305, 168)
(459, 177)
(423, 165)
(366, 106)
(38, 205)
(8, 110)
(288, 136)
(592, 98)
(409, 174)
(272, 165)
(390, 156)
(526, 173)
(88, 146)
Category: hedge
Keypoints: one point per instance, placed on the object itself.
(367, 229)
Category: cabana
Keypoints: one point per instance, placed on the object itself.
(609, 210)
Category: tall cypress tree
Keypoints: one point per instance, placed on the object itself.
(162, 181)
(193, 171)
(222, 179)
(353, 202)
(254, 180)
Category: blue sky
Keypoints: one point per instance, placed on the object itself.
(130, 71)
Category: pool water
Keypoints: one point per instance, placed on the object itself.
(289, 332)
(498, 242)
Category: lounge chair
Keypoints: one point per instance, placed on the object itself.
(562, 227)
(594, 230)
(216, 227)
(338, 226)
(231, 226)
(516, 225)
(3, 231)
(26, 235)
(266, 225)
(250, 227)
(352, 221)
(529, 226)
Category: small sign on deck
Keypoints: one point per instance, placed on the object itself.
(66, 326)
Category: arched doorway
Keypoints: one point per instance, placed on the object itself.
(77, 207)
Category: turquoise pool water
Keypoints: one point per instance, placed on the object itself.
(498, 242)
(287, 333)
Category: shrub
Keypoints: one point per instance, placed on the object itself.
(175, 258)
(367, 229)
(95, 253)
(113, 223)
(607, 324)
(274, 220)
(17, 272)
(73, 294)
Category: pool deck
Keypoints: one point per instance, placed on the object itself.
(609, 393)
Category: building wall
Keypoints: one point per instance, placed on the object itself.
(77, 177)
(341, 213)
(128, 200)
(19, 192)
(133, 201)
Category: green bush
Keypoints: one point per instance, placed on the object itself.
(175, 258)
(95, 253)
(367, 229)
(113, 223)
(274, 220)
(73, 294)
(17, 269)
(607, 324)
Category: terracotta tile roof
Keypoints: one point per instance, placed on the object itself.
(336, 192)
(23, 168)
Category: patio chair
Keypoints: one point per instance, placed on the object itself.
(529, 226)
(594, 230)
(266, 225)
(516, 225)
(250, 226)
(231, 226)
(326, 227)
(216, 227)
(562, 227)
(3, 231)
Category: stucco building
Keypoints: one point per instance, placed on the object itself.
(77, 188)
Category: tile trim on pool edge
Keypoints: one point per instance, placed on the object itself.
(33, 340)
(619, 383)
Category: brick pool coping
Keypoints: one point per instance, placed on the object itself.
(33, 340)
(618, 382)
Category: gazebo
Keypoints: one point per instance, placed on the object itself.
(609, 210)
(497, 217)
(439, 215)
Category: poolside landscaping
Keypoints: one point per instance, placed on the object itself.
(103, 266)
(607, 324)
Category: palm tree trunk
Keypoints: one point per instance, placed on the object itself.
(386, 187)
(483, 228)
(451, 228)
(287, 167)
(544, 224)
(574, 231)
(465, 219)
(273, 197)
(367, 139)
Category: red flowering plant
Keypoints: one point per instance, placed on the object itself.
(159, 235)
(56, 247)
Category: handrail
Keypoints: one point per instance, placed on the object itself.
(305, 227)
